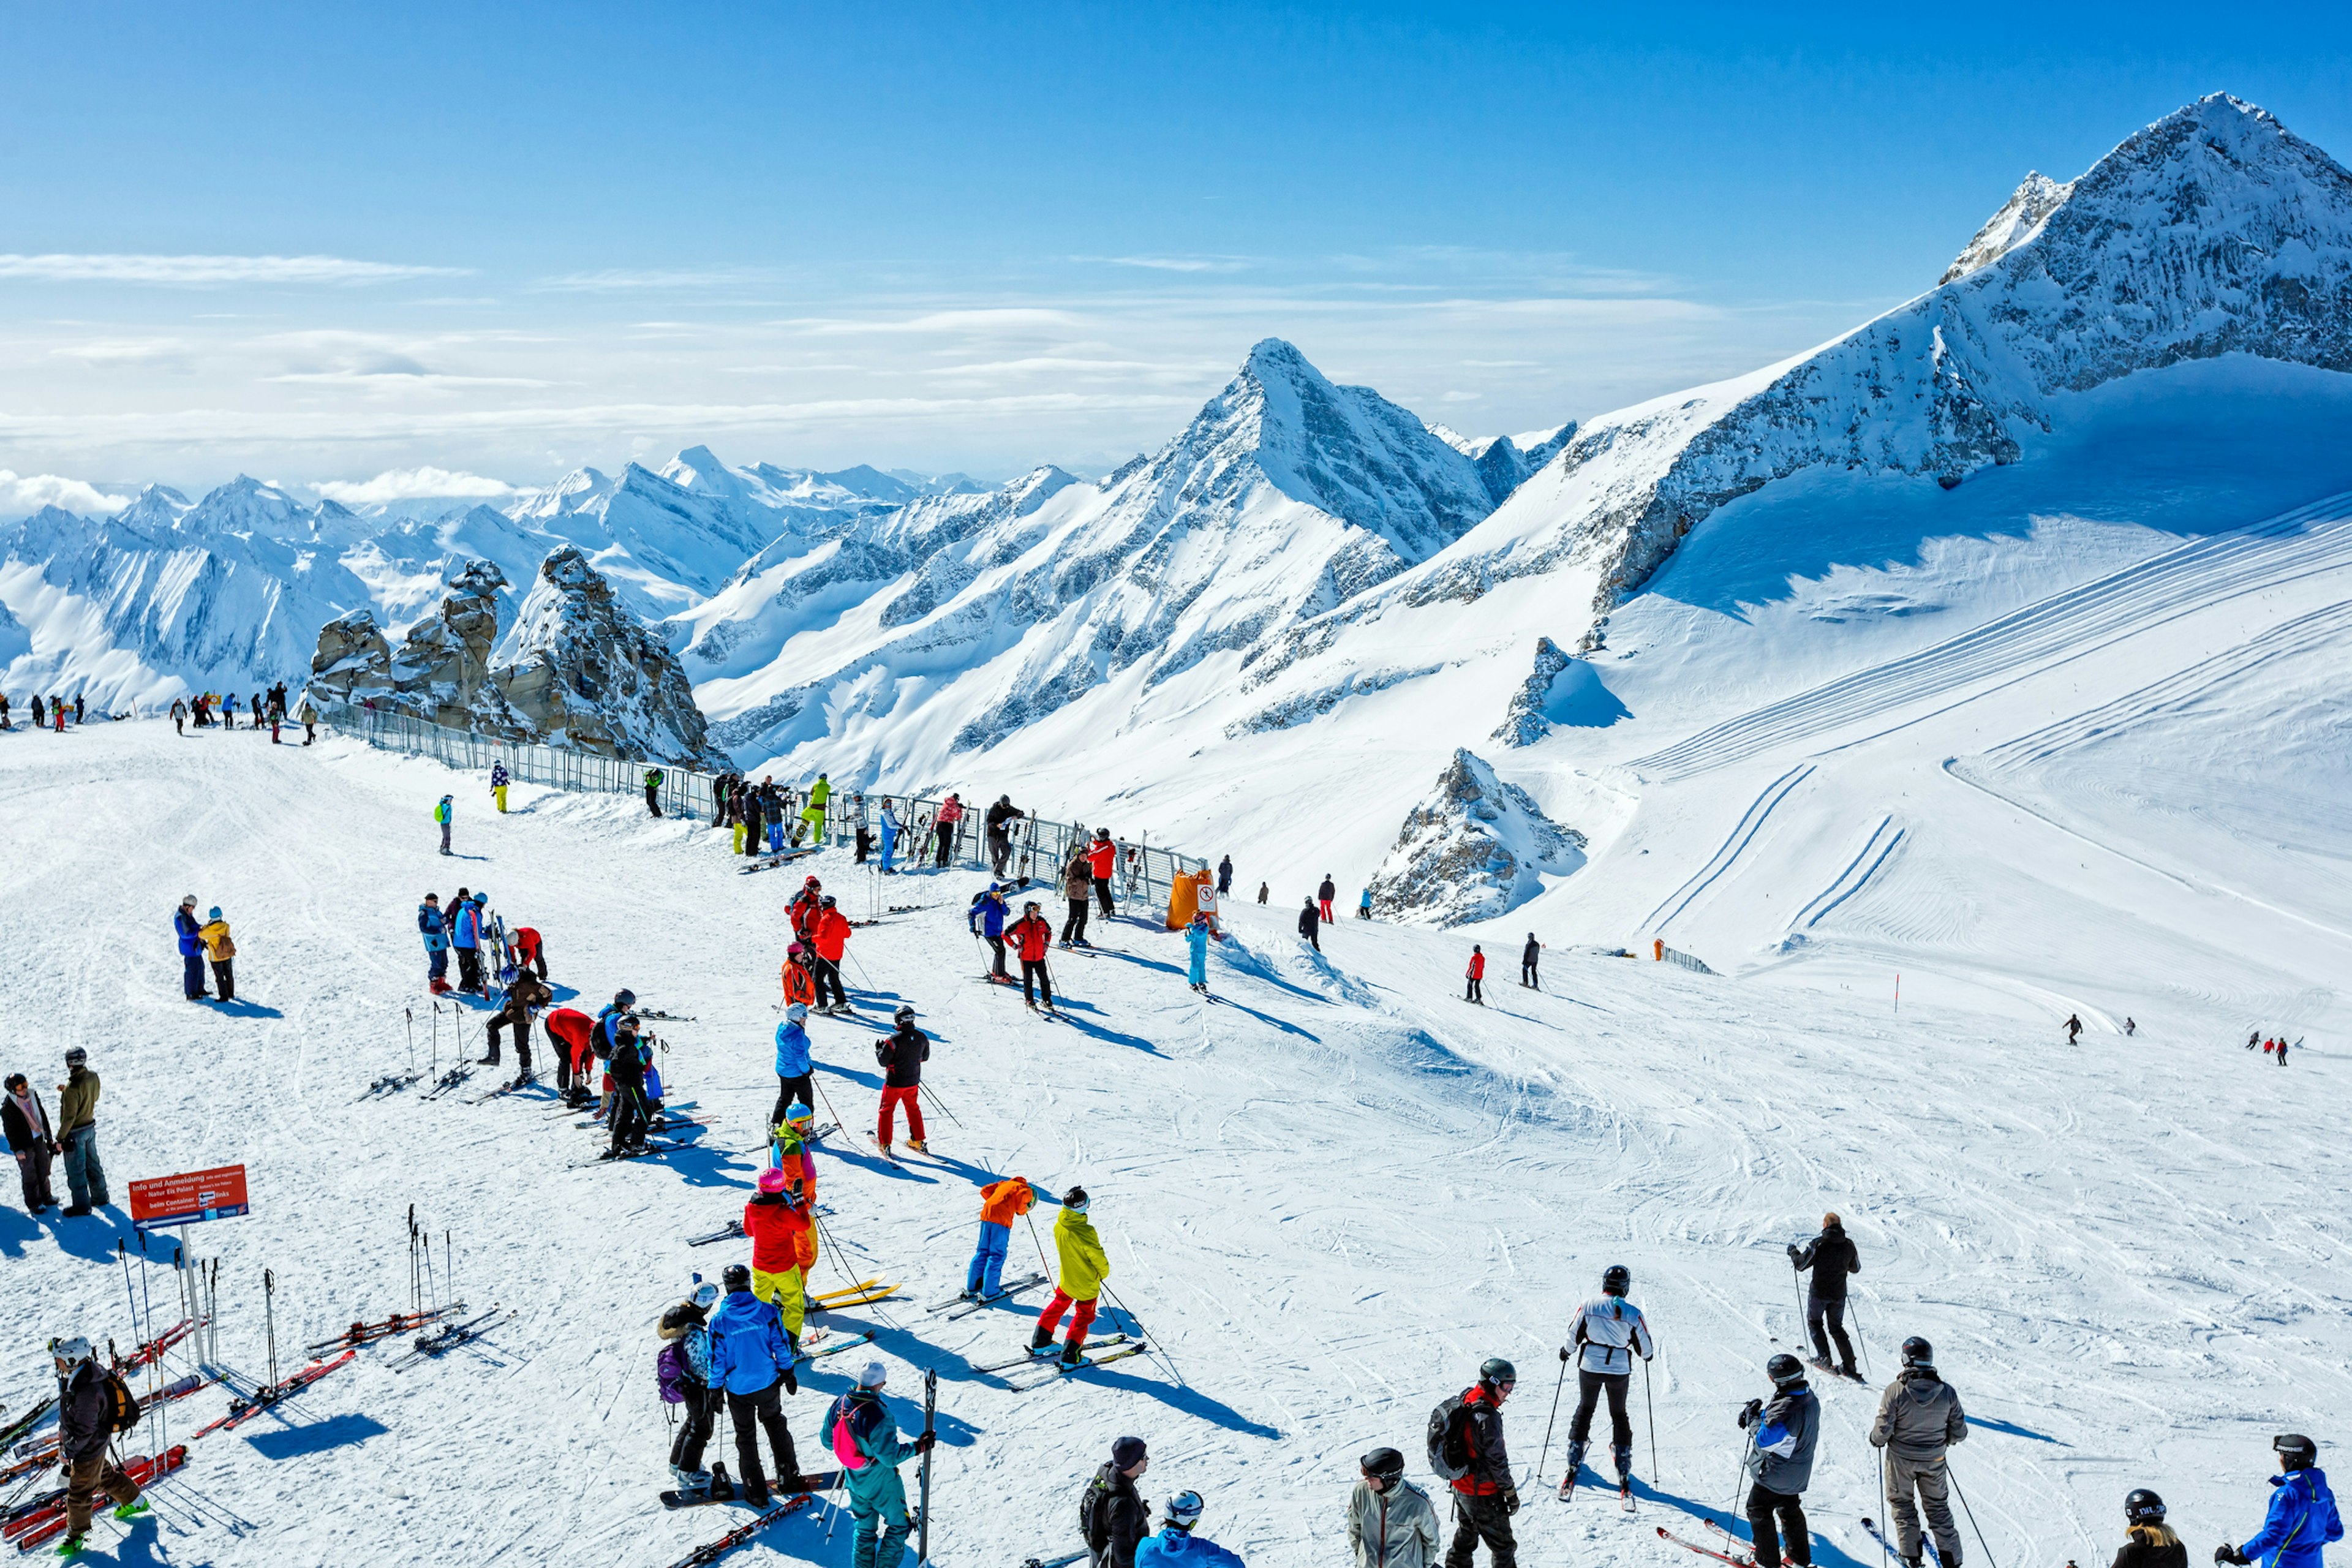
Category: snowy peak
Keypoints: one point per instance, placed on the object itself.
(2020, 219)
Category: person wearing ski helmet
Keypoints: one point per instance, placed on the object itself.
(85, 1426)
(682, 1372)
(1176, 1546)
(752, 1361)
(829, 935)
(1325, 891)
(631, 1115)
(795, 1067)
(1310, 925)
(2148, 1542)
(986, 918)
(783, 1247)
(1530, 956)
(804, 908)
(444, 813)
(901, 1054)
(790, 1144)
(1391, 1521)
(1919, 1416)
(1102, 863)
(1780, 1438)
(1031, 935)
(1610, 1332)
(1196, 946)
(2303, 1517)
(1084, 1267)
(1832, 1256)
(1484, 1495)
(1001, 1203)
(77, 1135)
(998, 821)
(859, 1429)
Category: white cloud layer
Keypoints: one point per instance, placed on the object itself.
(211, 270)
(413, 484)
(31, 492)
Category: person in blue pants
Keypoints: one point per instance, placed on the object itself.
(192, 949)
(1196, 937)
(1001, 1203)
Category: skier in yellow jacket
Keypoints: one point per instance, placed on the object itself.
(1084, 1267)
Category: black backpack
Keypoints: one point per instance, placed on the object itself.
(122, 1412)
(1093, 1511)
(1449, 1439)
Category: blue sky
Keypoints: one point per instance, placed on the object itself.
(322, 243)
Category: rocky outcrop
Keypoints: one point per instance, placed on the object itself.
(589, 675)
(586, 673)
(1476, 849)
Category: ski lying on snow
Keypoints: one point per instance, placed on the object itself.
(1665, 1534)
(716, 1549)
(399, 1322)
(1057, 1561)
(959, 1298)
(840, 1302)
(734, 1228)
(241, 1410)
(444, 1339)
(27, 1422)
(1048, 1352)
(850, 1344)
(35, 1524)
(627, 1155)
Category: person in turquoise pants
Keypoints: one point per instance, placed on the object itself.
(858, 1424)
(1196, 937)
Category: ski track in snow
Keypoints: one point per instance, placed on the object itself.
(1329, 1190)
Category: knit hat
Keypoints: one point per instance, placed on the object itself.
(1127, 1453)
(797, 1012)
(873, 1374)
(214, 914)
(190, 901)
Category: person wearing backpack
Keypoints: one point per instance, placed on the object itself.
(1466, 1447)
(1176, 1546)
(442, 812)
(1391, 1522)
(93, 1404)
(683, 1369)
(1084, 1267)
(1112, 1515)
(654, 777)
(751, 1360)
(865, 1440)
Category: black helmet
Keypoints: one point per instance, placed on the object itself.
(1385, 1466)
(1784, 1370)
(1497, 1371)
(906, 1012)
(2143, 1507)
(736, 1276)
(1616, 1280)
(1917, 1352)
(1076, 1198)
(2299, 1451)
(624, 997)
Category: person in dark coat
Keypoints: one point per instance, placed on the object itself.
(1310, 925)
(1832, 1256)
(85, 1423)
(1782, 1438)
(630, 1112)
(1121, 1516)
(32, 1140)
(526, 994)
(755, 807)
(2149, 1541)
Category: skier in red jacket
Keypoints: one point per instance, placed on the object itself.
(1478, 971)
(1102, 859)
(829, 934)
(1034, 934)
(531, 952)
(570, 1029)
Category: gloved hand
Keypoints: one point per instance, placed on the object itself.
(1510, 1499)
(2225, 1552)
(924, 1441)
(1563, 1353)
(791, 1383)
(1792, 1249)
(1749, 1412)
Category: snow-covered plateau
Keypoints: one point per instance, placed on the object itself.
(1986, 666)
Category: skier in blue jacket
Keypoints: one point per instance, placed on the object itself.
(751, 1357)
(192, 949)
(1176, 1546)
(793, 1065)
(2303, 1517)
(1196, 937)
(465, 936)
(987, 922)
(434, 928)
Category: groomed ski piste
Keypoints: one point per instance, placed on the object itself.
(1329, 1191)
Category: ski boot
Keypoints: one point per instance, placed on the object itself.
(522, 1079)
(1575, 1459)
(1073, 1353)
(1040, 1341)
(689, 1480)
(133, 1508)
(918, 1145)
(71, 1546)
(1623, 1454)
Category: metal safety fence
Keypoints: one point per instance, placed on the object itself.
(902, 829)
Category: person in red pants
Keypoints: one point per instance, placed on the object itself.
(902, 1054)
(1084, 1267)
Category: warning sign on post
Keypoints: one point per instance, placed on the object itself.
(163, 1201)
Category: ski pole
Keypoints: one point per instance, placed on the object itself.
(941, 1104)
(1860, 1343)
(1797, 1280)
(1146, 1334)
(1041, 1246)
(1967, 1510)
(1556, 1392)
(1650, 1415)
(1745, 1449)
(269, 1320)
(1884, 1552)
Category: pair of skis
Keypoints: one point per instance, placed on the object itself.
(244, 1409)
(41, 1519)
(960, 1306)
(863, 1293)
(398, 1323)
(721, 1490)
(449, 1338)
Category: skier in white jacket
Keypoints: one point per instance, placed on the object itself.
(1610, 1332)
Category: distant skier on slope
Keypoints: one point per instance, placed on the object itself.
(2303, 1517)
(1530, 957)
(1465, 1444)
(1610, 1332)
(1477, 972)
(2074, 1028)
(1782, 1437)
(1363, 905)
(1919, 1416)
(498, 783)
(1328, 891)
(1196, 939)
(1831, 1255)
(1225, 875)
(1310, 925)
(1263, 891)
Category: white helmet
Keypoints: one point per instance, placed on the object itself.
(70, 1348)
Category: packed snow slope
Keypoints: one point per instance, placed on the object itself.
(1329, 1191)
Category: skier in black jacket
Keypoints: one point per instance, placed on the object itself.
(902, 1054)
(1119, 1517)
(1310, 925)
(1529, 956)
(85, 1410)
(999, 832)
(1486, 1496)
(630, 1113)
(1832, 1256)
